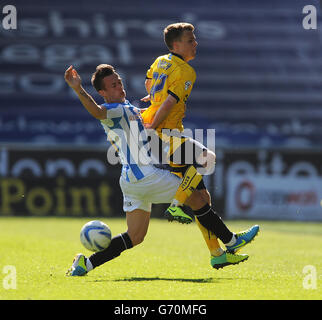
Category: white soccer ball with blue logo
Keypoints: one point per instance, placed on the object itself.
(95, 235)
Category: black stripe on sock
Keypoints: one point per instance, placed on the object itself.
(118, 244)
(128, 242)
(205, 209)
(212, 221)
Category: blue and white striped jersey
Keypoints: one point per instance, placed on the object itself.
(124, 129)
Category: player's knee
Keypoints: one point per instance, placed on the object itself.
(204, 193)
(197, 200)
(136, 237)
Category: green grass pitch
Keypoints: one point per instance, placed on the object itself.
(171, 264)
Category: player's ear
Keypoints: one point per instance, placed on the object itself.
(102, 93)
(174, 46)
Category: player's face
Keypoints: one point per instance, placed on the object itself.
(187, 46)
(114, 90)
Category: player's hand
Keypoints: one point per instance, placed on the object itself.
(72, 78)
(146, 98)
(148, 126)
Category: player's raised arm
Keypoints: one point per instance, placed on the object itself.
(74, 81)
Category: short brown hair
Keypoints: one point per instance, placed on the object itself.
(102, 71)
(173, 32)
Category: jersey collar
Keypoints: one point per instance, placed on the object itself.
(177, 55)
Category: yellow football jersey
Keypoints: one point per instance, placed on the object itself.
(170, 74)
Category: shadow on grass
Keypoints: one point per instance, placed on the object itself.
(136, 279)
(206, 280)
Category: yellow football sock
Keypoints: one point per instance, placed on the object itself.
(188, 184)
(211, 240)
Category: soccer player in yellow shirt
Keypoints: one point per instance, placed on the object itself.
(169, 82)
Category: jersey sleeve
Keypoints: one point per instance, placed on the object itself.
(114, 110)
(149, 73)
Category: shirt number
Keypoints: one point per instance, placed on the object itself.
(159, 81)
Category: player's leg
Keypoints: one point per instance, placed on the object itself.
(198, 159)
(211, 240)
(137, 223)
(199, 201)
(209, 236)
(163, 186)
(200, 204)
(185, 150)
(178, 154)
(213, 222)
(204, 161)
(189, 183)
(218, 257)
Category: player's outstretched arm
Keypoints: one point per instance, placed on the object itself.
(74, 81)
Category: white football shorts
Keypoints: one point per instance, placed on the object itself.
(158, 187)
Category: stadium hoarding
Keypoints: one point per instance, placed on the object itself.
(59, 196)
(288, 198)
(274, 184)
(248, 183)
(51, 161)
(63, 180)
(77, 182)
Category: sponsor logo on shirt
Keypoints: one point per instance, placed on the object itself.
(187, 85)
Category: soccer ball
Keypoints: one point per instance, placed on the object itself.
(95, 235)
